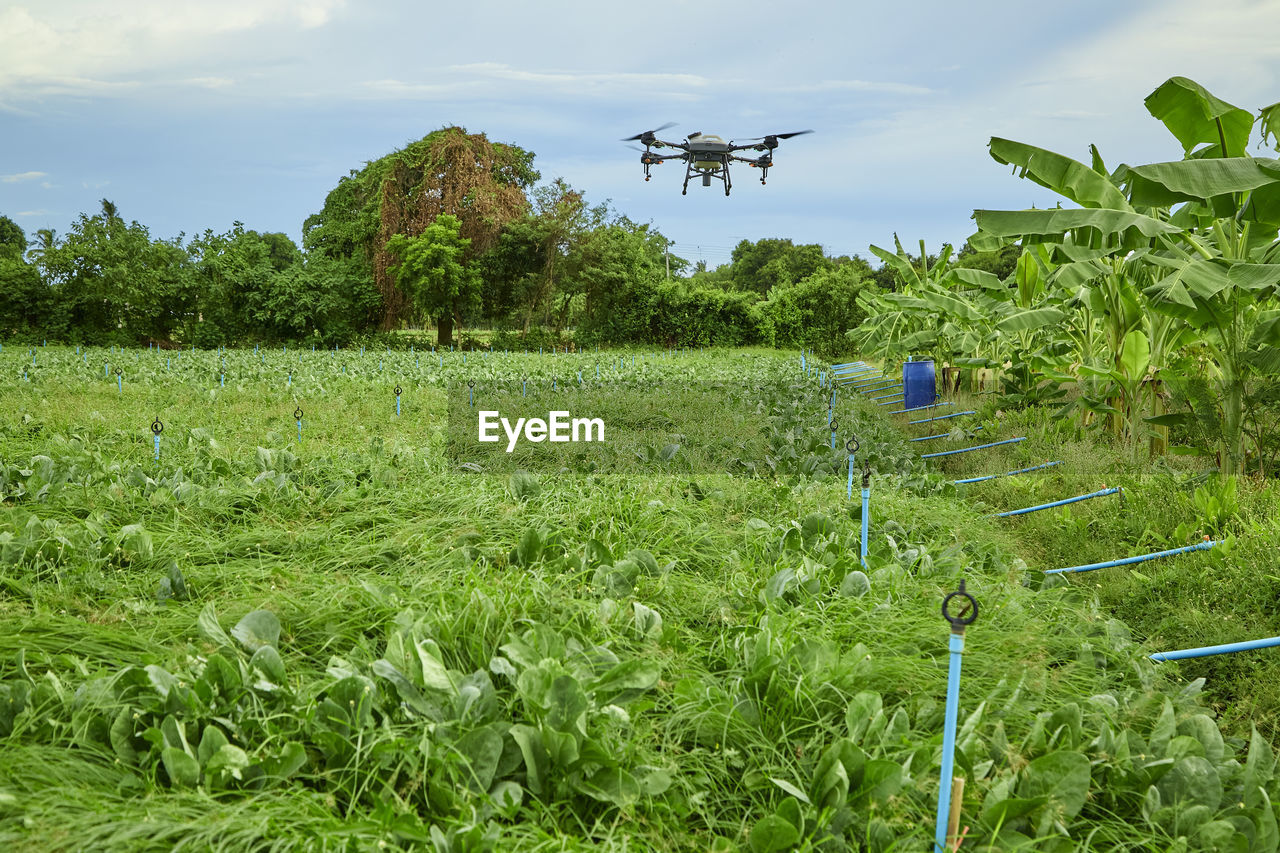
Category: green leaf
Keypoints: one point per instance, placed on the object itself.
(537, 762)
(257, 629)
(482, 749)
(1063, 175)
(228, 759)
(523, 485)
(290, 760)
(211, 741)
(209, 627)
(611, 785)
(773, 834)
(1192, 780)
(855, 584)
(791, 789)
(183, 770)
(1167, 184)
(1063, 777)
(121, 736)
(1031, 319)
(1135, 355)
(1194, 116)
(267, 661)
(626, 679)
(1055, 223)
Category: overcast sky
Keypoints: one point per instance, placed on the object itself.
(193, 115)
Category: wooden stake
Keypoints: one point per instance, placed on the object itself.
(953, 819)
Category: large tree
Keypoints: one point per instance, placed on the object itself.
(431, 270)
(449, 171)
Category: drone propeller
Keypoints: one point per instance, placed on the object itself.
(649, 136)
(771, 141)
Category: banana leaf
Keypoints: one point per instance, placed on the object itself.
(1063, 175)
(1194, 116)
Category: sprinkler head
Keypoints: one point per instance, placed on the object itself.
(297, 413)
(967, 612)
(852, 445)
(119, 371)
(835, 425)
(156, 426)
(397, 390)
(866, 475)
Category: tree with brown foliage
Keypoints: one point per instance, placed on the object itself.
(449, 171)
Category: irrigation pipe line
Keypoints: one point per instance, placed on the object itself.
(1199, 546)
(1098, 494)
(939, 417)
(1225, 649)
(1007, 473)
(939, 435)
(978, 447)
(921, 408)
(886, 396)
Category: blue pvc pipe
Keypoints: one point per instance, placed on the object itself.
(956, 646)
(921, 408)
(978, 447)
(892, 402)
(885, 396)
(941, 417)
(850, 476)
(1199, 546)
(157, 438)
(1023, 511)
(1007, 473)
(866, 520)
(1225, 649)
(939, 435)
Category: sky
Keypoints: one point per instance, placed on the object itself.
(191, 116)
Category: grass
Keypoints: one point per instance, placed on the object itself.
(505, 607)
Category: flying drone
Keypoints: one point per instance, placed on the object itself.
(708, 156)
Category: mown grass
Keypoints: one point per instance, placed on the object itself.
(364, 527)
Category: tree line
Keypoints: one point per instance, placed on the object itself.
(452, 231)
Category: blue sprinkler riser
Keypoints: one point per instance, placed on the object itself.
(951, 717)
(921, 408)
(978, 447)
(1008, 473)
(939, 435)
(941, 417)
(1098, 494)
(1225, 649)
(1199, 546)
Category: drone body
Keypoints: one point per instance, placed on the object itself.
(708, 156)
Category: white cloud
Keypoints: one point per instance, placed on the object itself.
(78, 46)
(22, 176)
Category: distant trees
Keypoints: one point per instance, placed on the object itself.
(449, 230)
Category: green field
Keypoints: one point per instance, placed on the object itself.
(348, 642)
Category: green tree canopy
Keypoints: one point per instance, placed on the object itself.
(480, 183)
(431, 270)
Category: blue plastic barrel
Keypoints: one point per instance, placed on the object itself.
(918, 385)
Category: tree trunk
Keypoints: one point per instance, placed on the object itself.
(444, 329)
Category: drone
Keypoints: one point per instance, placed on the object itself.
(708, 156)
